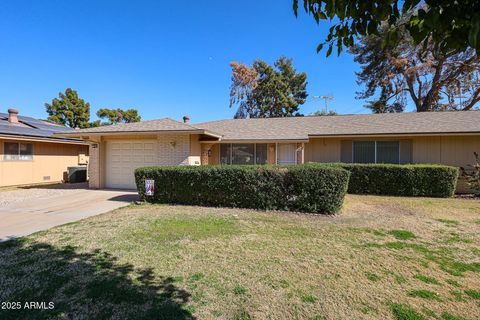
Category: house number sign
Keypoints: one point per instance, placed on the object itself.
(149, 187)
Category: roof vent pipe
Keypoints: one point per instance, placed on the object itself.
(12, 115)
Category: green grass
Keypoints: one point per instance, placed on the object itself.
(457, 295)
(182, 262)
(405, 312)
(424, 294)
(402, 234)
(426, 279)
(239, 290)
(177, 228)
(372, 276)
(452, 282)
(448, 222)
(447, 316)
(308, 298)
(474, 294)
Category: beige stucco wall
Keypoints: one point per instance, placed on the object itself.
(50, 161)
(449, 150)
(173, 149)
(322, 150)
(452, 150)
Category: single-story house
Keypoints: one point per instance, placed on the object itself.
(437, 137)
(31, 154)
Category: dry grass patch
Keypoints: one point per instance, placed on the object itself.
(380, 258)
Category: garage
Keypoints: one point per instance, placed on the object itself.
(123, 157)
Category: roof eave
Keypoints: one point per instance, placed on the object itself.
(466, 133)
(294, 140)
(41, 139)
(80, 133)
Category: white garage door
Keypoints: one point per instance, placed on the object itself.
(123, 157)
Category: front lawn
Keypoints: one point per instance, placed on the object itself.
(380, 258)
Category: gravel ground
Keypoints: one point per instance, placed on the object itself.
(21, 194)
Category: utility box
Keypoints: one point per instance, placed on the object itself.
(77, 174)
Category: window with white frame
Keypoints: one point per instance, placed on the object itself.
(17, 151)
(243, 153)
(376, 152)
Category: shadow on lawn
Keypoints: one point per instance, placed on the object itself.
(90, 285)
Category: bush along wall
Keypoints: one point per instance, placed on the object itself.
(402, 180)
(306, 188)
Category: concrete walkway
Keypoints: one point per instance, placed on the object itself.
(28, 210)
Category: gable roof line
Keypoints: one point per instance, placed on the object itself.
(301, 128)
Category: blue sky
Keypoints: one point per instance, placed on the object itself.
(167, 59)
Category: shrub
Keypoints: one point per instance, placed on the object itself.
(472, 174)
(402, 180)
(307, 188)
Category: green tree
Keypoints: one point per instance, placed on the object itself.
(451, 25)
(324, 113)
(419, 74)
(269, 91)
(69, 110)
(118, 115)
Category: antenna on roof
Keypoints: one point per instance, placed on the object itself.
(327, 100)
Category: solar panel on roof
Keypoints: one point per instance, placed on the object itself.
(37, 128)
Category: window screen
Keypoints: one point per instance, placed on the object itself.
(225, 153)
(364, 151)
(243, 153)
(388, 152)
(18, 151)
(261, 153)
(26, 151)
(10, 151)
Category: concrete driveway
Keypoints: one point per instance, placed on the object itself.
(28, 210)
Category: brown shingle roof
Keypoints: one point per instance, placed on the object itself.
(165, 124)
(300, 128)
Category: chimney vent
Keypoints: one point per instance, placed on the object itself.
(12, 115)
(186, 119)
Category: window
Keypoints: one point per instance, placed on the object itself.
(287, 153)
(18, 151)
(261, 153)
(225, 153)
(364, 151)
(388, 152)
(243, 153)
(376, 152)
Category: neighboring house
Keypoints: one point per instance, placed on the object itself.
(435, 137)
(30, 154)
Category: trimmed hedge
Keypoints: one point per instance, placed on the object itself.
(401, 180)
(306, 188)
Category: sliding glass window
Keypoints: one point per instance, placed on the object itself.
(388, 152)
(364, 151)
(376, 152)
(243, 153)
